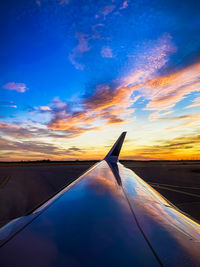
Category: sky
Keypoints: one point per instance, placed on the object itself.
(74, 74)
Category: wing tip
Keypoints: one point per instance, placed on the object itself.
(114, 152)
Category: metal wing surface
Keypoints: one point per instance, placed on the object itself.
(107, 217)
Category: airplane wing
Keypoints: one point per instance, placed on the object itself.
(107, 217)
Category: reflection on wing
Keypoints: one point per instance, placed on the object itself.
(109, 216)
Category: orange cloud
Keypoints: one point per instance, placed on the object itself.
(114, 104)
(75, 123)
(183, 147)
(111, 105)
(108, 105)
(165, 91)
(105, 97)
(102, 107)
(35, 150)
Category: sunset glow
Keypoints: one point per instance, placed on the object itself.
(75, 74)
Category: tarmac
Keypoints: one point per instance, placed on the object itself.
(23, 187)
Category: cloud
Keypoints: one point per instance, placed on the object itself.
(113, 103)
(196, 103)
(41, 108)
(157, 115)
(9, 104)
(183, 147)
(81, 48)
(65, 119)
(19, 87)
(163, 92)
(184, 117)
(45, 108)
(14, 131)
(106, 97)
(188, 124)
(124, 5)
(106, 51)
(192, 120)
(150, 57)
(107, 10)
(167, 90)
(182, 142)
(82, 42)
(105, 106)
(27, 131)
(109, 103)
(16, 149)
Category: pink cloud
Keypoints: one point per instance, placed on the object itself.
(107, 9)
(14, 130)
(45, 108)
(19, 87)
(77, 65)
(106, 51)
(125, 5)
(81, 48)
(151, 56)
(82, 42)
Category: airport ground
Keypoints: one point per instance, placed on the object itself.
(24, 186)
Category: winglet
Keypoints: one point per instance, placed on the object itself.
(113, 154)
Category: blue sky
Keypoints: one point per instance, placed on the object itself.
(73, 70)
